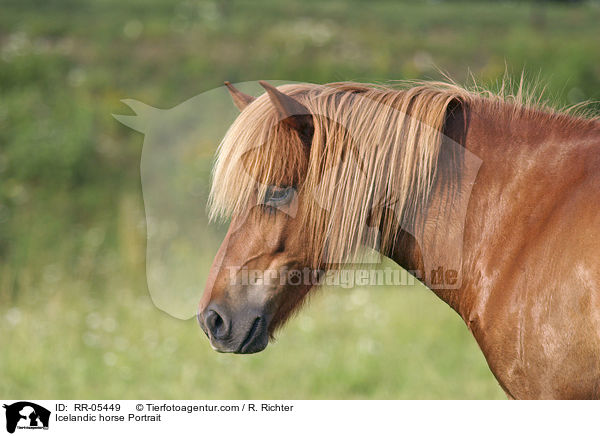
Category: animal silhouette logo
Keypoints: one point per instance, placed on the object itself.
(26, 415)
(177, 156)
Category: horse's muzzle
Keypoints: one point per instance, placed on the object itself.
(243, 333)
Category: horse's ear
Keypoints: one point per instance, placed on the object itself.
(240, 99)
(291, 111)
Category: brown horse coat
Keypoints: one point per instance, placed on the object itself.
(525, 240)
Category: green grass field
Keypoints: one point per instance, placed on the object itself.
(75, 314)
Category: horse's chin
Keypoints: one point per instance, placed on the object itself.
(256, 339)
(255, 347)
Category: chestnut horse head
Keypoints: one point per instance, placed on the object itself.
(308, 174)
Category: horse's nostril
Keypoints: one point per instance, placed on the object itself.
(215, 324)
(218, 323)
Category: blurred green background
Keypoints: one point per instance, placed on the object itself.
(76, 320)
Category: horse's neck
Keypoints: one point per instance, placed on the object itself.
(500, 162)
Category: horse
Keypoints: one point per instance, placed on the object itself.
(499, 190)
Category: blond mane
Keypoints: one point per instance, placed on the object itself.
(374, 154)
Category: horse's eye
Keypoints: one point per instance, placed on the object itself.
(278, 196)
